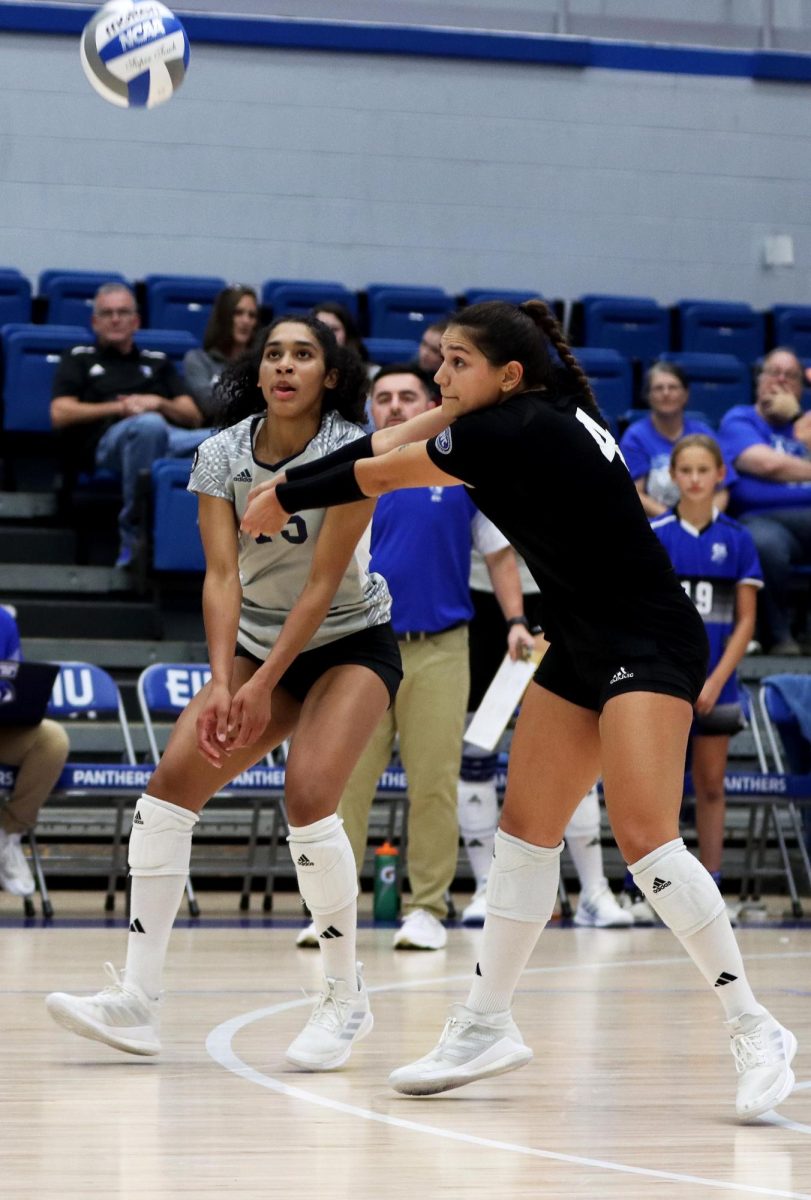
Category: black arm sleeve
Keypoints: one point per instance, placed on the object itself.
(350, 453)
(336, 485)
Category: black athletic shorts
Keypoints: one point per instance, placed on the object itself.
(375, 648)
(590, 681)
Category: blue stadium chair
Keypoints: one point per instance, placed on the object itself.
(477, 295)
(636, 328)
(717, 382)
(173, 342)
(406, 312)
(391, 350)
(30, 357)
(611, 379)
(176, 544)
(15, 297)
(69, 294)
(792, 328)
(300, 295)
(710, 327)
(181, 301)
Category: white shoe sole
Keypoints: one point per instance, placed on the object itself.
(781, 1090)
(505, 1055)
(68, 1018)
(338, 1060)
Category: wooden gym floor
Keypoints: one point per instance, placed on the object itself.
(630, 1094)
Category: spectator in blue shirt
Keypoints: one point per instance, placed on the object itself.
(39, 753)
(770, 445)
(648, 443)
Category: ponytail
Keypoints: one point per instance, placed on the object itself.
(542, 316)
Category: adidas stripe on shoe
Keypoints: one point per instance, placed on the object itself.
(472, 1046)
(340, 1018)
(121, 1016)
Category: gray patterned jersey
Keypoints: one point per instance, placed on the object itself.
(273, 571)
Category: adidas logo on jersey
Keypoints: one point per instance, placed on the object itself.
(659, 885)
(620, 676)
(303, 861)
(244, 476)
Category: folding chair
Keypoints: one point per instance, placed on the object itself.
(164, 690)
(784, 755)
(87, 702)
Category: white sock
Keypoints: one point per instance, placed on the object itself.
(477, 806)
(154, 901)
(159, 852)
(328, 882)
(582, 837)
(684, 894)
(521, 893)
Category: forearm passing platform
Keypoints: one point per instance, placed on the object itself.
(336, 485)
(350, 453)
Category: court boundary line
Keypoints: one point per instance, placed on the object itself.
(220, 1049)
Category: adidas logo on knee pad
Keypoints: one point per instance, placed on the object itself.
(303, 861)
(659, 885)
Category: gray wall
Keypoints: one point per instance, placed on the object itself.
(411, 170)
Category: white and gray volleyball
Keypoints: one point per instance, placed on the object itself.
(135, 54)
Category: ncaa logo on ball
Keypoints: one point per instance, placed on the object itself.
(135, 55)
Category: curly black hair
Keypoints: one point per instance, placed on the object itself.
(242, 396)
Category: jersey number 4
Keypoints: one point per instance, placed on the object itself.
(608, 447)
(295, 536)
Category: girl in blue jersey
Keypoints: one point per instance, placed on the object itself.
(717, 565)
(614, 695)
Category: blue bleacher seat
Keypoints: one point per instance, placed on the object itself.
(300, 295)
(406, 312)
(611, 379)
(637, 328)
(174, 342)
(717, 382)
(792, 328)
(391, 350)
(70, 294)
(15, 297)
(30, 357)
(181, 301)
(477, 295)
(176, 544)
(712, 327)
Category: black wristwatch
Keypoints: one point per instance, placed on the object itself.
(517, 621)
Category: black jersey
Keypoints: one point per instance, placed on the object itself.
(95, 373)
(553, 480)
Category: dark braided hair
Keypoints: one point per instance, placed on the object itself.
(239, 385)
(504, 332)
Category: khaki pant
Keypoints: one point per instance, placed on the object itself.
(429, 715)
(40, 752)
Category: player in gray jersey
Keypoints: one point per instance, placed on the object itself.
(299, 641)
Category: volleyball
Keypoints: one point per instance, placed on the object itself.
(134, 54)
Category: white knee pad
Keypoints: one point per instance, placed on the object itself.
(477, 806)
(325, 865)
(585, 820)
(160, 839)
(523, 880)
(678, 888)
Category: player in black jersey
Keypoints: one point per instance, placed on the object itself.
(613, 696)
(300, 644)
